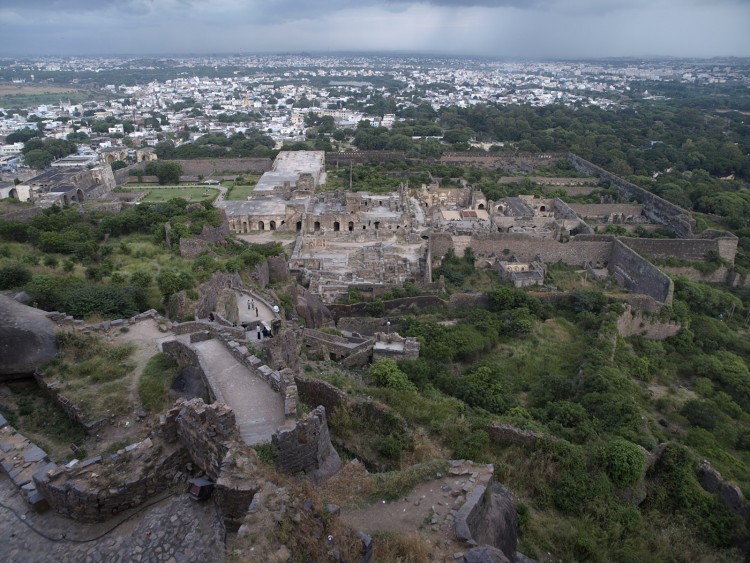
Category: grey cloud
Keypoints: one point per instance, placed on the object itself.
(495, 27)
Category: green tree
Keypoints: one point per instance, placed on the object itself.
(38, 158)
(386, 373)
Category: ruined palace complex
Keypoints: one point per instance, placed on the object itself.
(370, 242)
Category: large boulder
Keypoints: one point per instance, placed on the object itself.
(278, 268)
(499, 525)
(310, 308)
(211, 294)
(284, 351)
(27, 337)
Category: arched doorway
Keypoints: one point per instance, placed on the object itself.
(261, 226)
(14, 193)
(351, 226)
(79, 195)
(481, 206)
(336, 226)
(272, 225)
(299, 226)
(316, 227)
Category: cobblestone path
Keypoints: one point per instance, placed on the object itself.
(173, 530)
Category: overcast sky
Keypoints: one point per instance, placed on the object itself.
(501, 28)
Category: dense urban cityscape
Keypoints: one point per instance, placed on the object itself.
(274, 94)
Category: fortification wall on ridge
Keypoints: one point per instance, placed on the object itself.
(633, 272)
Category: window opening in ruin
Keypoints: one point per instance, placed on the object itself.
(351, 225)
(79, 195)
(542, 208)
(364, 227)
(317, 226)
(377, 224)
(336, 226)
(299, 226)
(261, 226)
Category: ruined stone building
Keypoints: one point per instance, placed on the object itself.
(521, 274)
(66, 185)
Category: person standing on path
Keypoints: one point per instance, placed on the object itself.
(248, 304)
(258, 331)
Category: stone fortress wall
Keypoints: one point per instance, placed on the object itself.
(655, 208)
(206, 167)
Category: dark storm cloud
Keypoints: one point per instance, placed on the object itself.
(531, 28)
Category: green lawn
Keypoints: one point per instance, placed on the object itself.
(197, 193)
(240, 192)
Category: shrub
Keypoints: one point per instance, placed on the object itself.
(701, 413)
(622, 461)
(386, 373)
(14, 275)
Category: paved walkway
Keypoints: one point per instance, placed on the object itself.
(265, 313)
(258, 409)
(174, 530)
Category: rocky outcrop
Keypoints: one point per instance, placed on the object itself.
(485, 554)
(285, 349)
(278, 268)
(260, 273)
(27, 337)
(310, 308)
(212, 294)
(180, 307)
(226, 305)
(490, 518)
(729, 494)
(506, 435)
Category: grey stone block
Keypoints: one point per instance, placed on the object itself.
(34, 454)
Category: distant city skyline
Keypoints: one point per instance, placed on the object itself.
(499, 28)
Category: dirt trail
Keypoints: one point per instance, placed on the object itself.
(429, 509)
(145, 336)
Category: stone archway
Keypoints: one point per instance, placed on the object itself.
(261, 226)
(14, 193)
(316, 227)
(272, 225)
(79, 195)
